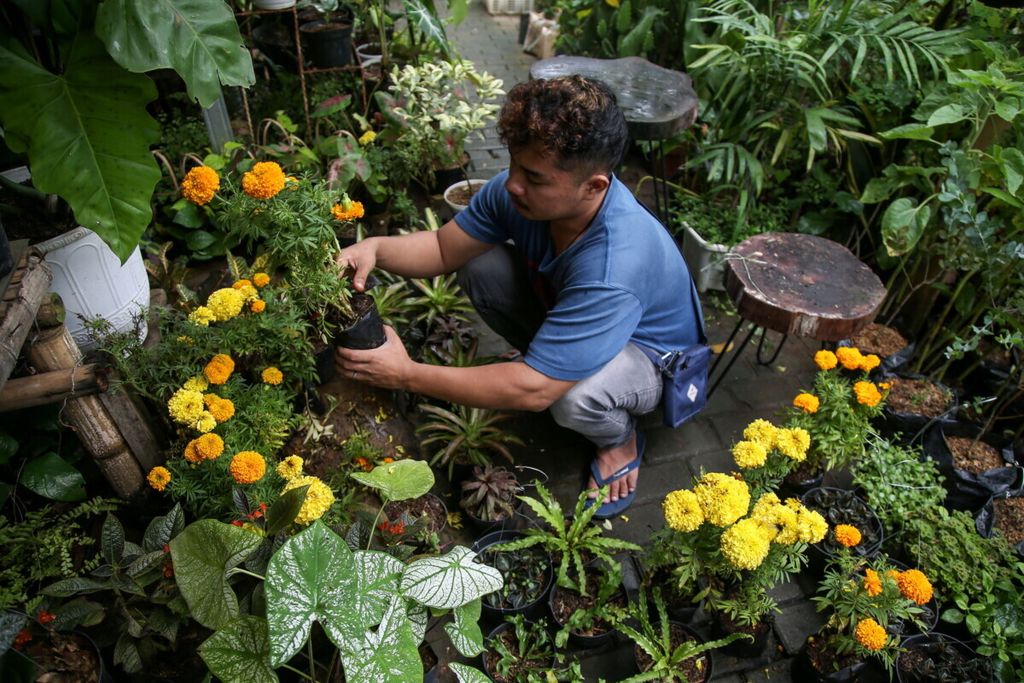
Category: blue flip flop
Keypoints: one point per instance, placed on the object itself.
(613, 508)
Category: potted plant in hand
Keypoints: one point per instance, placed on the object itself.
(329, 37)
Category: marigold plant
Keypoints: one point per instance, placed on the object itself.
(264, 181)
(319, 498)
(768, 453)
(200, 185)
(248, 467)
(219, 368)
(159, 478)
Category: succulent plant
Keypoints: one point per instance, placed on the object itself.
(490, 493)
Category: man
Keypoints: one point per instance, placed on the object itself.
(590, 274)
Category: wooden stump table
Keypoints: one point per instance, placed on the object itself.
(798, 285)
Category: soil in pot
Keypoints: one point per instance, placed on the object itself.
(367, 332)
(66, 657)
(462, 193)
(520, 670)
(817, 661)
(427, 511)
(695, 669)
(565, 601)
(973, 455)
(937, 658)
(1010, 518)
(910, 396)
(881, 340)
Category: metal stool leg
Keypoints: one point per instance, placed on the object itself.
(760, 345)
(725, 348)
(735, 355)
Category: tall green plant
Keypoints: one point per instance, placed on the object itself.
(75, 97)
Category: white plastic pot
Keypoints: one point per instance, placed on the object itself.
(456, 207)
(705, 260)
(93, 284)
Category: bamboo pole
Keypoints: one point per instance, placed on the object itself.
(27, 290)
(49, 387)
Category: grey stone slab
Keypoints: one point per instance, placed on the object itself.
(725, 664)
(776, 672)
(787, 592)
(726, 677)
(797, 621)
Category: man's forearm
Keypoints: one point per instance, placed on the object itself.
(501, 386)
(414, 255)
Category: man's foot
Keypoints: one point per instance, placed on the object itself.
(609, 461)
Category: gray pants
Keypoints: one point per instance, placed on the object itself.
(602, 407)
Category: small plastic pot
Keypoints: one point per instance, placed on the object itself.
(709, 669)
(533, 609)
(367, 332)
(329, 44)
(742, 648)
(449, 194)
(931, 642)
(985, 518)
(495, 632)
(579, 640)
(970, 490)
(804, 671)
(908, 428)
(822, 499)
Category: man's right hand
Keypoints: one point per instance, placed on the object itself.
(359, 259)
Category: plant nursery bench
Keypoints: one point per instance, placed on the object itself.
(799, 285)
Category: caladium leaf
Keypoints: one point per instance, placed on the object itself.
(465, 631)
(387, 654)
(467, 674)
(449, 581)
(399, 480)
(240, 651)
(203, 554)
(377, 577)
(197, 38)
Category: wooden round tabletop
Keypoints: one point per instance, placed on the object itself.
(802, 285)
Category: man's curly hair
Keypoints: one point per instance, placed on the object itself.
(575, 117)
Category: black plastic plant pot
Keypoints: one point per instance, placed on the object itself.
(675, 626)
(483, 527)
(367, 332)
(909, 427)
(579, 640)
(986, 519)
(839, 506)
(954, 657)
(532, 607)
(803, 670)
(329, 44)
(796, 484)
(969, 490)
(743, 648)
(493, 635)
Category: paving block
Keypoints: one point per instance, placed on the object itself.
(776, 672)
(785, 593)
(797, 621)
(725, 664)
(612, 663)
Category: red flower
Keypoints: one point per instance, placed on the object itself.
(167, 548)
(237, 522)
(258, 512)
(168, 571)
(23, 637)
(45, 617)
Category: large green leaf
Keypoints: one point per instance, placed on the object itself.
(464, 631)
(1011, 161)
(162, 529)
(377, 576)
(240, 652)
(387, 654)
(203, 554)
(418, 14)
(449, 581)
(197, 38)
(52, 477)
(311, 578)
(285, 509)
(908, 131)
(399, 480)
(903, 225)
(467, 674)
(88, 135)
(112, 540)
(632, 44)
(950, 113)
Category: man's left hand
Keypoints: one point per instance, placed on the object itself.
(386, 366)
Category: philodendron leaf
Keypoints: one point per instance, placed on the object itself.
(52, 477)
(387, 654)
(197, 38)
(240, 652)
(311, 578)
(399, 480)
(88, 135)
(449, 581)
(203, 554)
(467, 674)
(464, 632)
(903, 224)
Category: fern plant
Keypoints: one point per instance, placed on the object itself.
(470, 436)
(574, 541)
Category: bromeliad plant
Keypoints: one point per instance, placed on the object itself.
(489, 494)
(469, 436)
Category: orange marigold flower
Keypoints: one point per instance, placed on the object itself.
(872, 582)
(347, 210)
(159, 478)
(808, 403)
(192, 453)
(200, 184)
(247, 467)
(914, 585)
(222, 409)
(885, 386)
(849, 357)
(264, 181)
(258, 306)
(867, 394)
(241, 283)
(219, 368)
(388, 460)
(869, 362)
(847, 535)
(208, 446)
(870, 634)
(271, 375)
(260, 280)
(825, 359)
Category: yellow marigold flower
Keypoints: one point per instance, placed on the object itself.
(367, 137)
(849, 357)
(159, 478)
(808, 403)
(264, 181)
(793, 443)
(206, 447)
(222, 409)
(885, 386)
(746, 543)
(347, 211)
(290, 467)
(238, 284)
(869, 362)
(870, 634)
(319, 498)
(682, 511)
(260, 280)
(258, 306)
(749, 454)
(723, 499)
(197, 383)
(872, 582)
(247, 467)
(762, 432)
(914, 585)
(811, 525)
(202, 316)
(271, 375)
(200, 184)
(219, 368)
(764, 506)
(185, 339)
(825, 359)
(225, 303)
(787, 525)
(249, 293)
(185, 406)
(867, 393)
(206, 422)
(846, 535)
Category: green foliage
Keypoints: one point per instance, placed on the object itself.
(440, 299)
(38, 548)
(529, 654)
(719, 222)
(469, 435)
(605, 610)
(399, 480)
(574, 542)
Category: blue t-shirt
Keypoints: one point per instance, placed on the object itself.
(623, 280)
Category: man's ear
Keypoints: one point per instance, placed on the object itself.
(596, 184)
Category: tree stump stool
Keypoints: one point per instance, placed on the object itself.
(798, 285)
